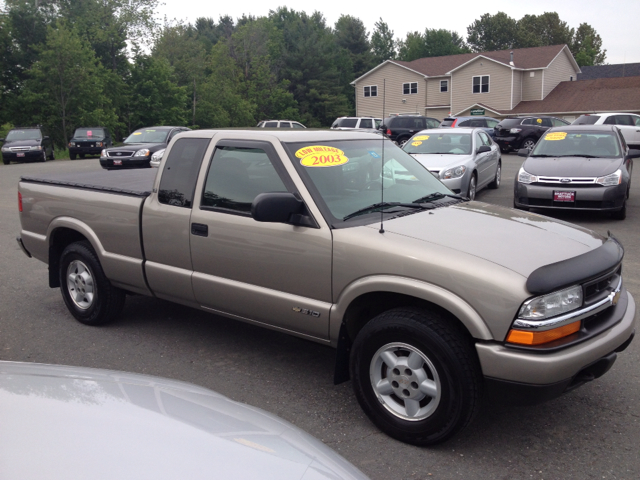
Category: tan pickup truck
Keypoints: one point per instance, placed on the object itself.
(342, 238)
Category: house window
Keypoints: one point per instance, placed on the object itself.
(444, 86)
(481, 84)
(371, 91)
(410, 88)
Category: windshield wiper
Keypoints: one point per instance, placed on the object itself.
(382, 205)
(437, 196)
(544, 155)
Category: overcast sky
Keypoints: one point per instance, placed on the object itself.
(617, 22)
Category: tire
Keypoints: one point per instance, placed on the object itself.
(82, 156)
(402, 141)
(528, 143)
(44, 156)
(496, 181)
(620, 214)
(504, 149)
(72, 156)
(86, 291)
(6, 161)
(53, 155)
(413, 348)
(473, 187)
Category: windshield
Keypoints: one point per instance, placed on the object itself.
(578, 144)
(587, 120)
(147, 135)
(443, 143)
(345, 176)
(26, 134)
(88, 133)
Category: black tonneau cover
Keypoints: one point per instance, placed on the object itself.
(137, 183)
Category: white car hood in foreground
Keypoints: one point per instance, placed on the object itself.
(67, 423)
(517, 240)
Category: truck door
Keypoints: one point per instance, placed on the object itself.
(268, 273)
(166, 222)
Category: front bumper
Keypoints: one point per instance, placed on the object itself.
(551, 369)
(592, 198)
(508, 143)
(27, 155)
(85, 150)
(458, 185)
(127, 162)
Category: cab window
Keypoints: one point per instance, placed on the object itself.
(181, 171)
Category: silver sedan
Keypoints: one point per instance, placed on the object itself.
(465, 160)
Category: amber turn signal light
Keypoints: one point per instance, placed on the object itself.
(536, 338)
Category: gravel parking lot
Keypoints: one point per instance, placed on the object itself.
(592, 432)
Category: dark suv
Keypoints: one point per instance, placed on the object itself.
(514, 133)
(401, 128)
(89, 141)
(26, 143)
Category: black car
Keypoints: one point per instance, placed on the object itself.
(514, 133)
(26, 143)
(138, 148)
(401, 128)
(89, 141)
(577, 167)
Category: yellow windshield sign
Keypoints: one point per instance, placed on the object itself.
(415, 144)
(321, 156)
(555, 136)
(421, 137)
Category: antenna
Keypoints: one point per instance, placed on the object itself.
(384, 97)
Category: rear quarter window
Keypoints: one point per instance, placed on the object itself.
(180, 172)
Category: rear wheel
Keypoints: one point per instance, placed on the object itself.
(496, 181)
(86, 290)
(416, 375)
(529, 143)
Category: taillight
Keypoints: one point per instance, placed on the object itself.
(454, 123)
(19, 202)
(388, 131)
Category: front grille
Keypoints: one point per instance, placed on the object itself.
(20, 149)
(86, 144)
(568, 180)
(597, 289)
(119, 154)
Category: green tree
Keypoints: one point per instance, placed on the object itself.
(412, 47)
(586, 46)
(65, 87)
(542, 30)
(156, 98)
(383, 45)
(492, 32)
(433, 43)
(309, 61)
(351, 34)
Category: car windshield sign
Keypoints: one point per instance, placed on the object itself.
(26, 134)
(88, 133)
(577, 144)
(147, 135)
(440, 143)
(347, 177)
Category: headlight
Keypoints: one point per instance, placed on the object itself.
(157, 156)
(103, 153)
(610, 180)
(455, 172)
(553, 304)
(515, 130)
(36, 147)
(526, 177)
(72, 144)
(98, 144)
(142, 153)
(6, 149)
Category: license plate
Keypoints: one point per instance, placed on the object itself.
(117, 162)
(20, 154)
(564, 196)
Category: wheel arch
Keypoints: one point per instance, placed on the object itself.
(367, 298)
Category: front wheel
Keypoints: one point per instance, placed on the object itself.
(43, 158)
(529, 143)
(86, 290)
(473, 186)
(416, 375)
(6, 161)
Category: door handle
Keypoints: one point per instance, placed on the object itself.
(200, 229)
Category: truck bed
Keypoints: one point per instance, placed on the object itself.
(137, 183)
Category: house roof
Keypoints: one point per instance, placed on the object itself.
(523, 58)
(599, 95)
(610, 71)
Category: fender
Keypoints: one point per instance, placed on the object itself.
(413, 288)
(123, 271)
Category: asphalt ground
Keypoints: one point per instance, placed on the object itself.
(591, 432)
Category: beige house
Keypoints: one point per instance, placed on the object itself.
(490, 83)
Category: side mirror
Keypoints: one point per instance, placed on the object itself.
(276, 207)
(45, 138)
(524, 152)
(633, 152)
(484, 149)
